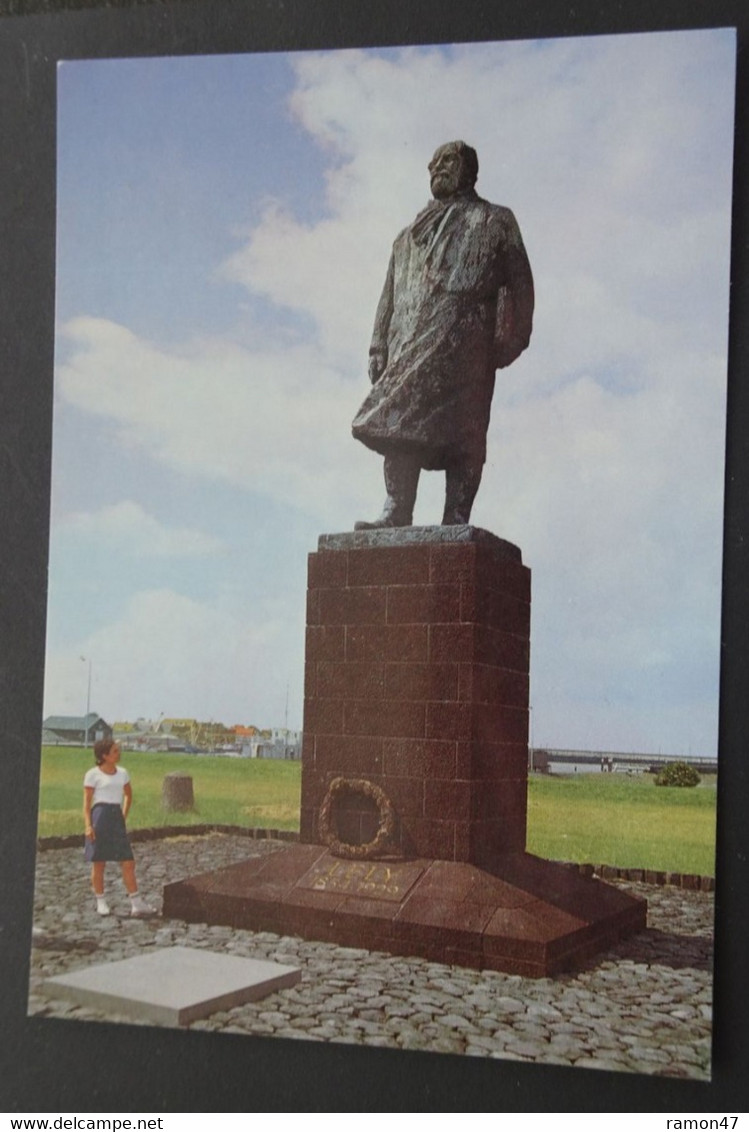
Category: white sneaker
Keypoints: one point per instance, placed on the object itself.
(138, 907)
(102, 907)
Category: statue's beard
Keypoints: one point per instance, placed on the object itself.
(444, 185)
(447, 183)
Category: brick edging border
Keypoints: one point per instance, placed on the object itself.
(691, 881)
(158, 833)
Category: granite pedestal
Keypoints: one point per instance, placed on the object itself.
(414, 773)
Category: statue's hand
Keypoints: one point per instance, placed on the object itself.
(377, 362)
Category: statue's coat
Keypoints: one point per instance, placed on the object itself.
(457, 304)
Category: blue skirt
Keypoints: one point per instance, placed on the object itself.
(110, 842)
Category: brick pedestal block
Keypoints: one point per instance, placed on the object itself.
(415, 737)
(417, 680)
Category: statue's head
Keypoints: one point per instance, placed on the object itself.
(454, 168)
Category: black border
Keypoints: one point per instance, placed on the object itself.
(51, 1065)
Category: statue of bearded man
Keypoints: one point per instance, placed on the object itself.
(457, 305)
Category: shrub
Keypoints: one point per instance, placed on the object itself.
(678, 774)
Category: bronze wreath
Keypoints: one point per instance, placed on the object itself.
(384, 830)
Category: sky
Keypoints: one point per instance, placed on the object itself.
(224, 228)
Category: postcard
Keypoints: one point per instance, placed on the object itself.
(224, 224)
(437, 776)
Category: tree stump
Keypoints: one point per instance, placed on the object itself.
(177, 792)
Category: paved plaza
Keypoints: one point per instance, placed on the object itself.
(643, 1006)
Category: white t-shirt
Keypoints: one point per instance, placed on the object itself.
(107, 787)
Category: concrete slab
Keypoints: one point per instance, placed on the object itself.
(172, 986)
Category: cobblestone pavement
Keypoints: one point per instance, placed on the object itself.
(644, 1006)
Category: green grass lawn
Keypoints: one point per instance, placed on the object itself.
(608, 819)
(251, 792)
(615, 819)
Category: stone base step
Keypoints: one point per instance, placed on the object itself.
(527, 917)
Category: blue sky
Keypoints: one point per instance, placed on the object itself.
(224, 225)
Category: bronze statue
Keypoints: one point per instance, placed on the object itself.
(457, 305)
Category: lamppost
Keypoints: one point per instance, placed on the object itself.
(88, 700)
(157, 731)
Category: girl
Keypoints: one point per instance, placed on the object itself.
(107, 798)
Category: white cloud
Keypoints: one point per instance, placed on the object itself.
(168, 653)
(128, 526)
(600, 147)
(258, 420)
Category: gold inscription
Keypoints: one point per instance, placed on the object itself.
(359, 877)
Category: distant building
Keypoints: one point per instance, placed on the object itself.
(171, 734)
(244, 734)
(538, 760)
(279, 743)
(120, 729)
(75, 730)
(200, 735)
